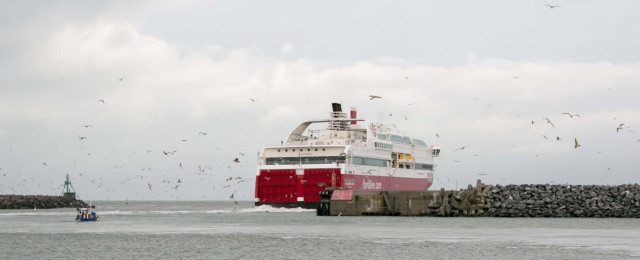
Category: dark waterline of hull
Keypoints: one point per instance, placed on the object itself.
(304, 205)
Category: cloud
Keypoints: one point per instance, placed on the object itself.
(286, 49)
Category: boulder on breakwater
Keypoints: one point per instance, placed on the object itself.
(596, 201)
(39, 202)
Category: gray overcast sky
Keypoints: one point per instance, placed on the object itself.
(477, 74)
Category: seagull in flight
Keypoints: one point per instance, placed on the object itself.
(461, 148)
(236, 160)
(576, 145)
(552, 6)
(82, 137)
(619, 128)
(253, 99)
(203, 133)
(570, 115)
(372, 97)
(149, 185)
(101, 100)
(120, 79)
(548, 121)
(86, 126)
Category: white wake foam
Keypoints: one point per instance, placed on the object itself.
(267, 208)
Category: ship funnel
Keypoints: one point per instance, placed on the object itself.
(337, 114)
(353, 114)
(337, 107)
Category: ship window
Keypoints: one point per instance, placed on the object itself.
(357, 160)
(308, 150)
(278, 150)
(419, 142)
(423, 166)
(382, 137)
(369, 161)
(323, 149)
(316, 149)
(286, 150)
(399, 139)
(294, 150)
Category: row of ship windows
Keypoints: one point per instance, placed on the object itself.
(338, 160)
(399, 139)
(324, 160)
(305, 160)
(369, 161)
(301, 150)
(418, 166)
(384, 146)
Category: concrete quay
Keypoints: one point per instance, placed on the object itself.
(526, 200)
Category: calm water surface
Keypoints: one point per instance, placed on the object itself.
(223, 230)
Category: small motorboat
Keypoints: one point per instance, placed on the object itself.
(84, 214)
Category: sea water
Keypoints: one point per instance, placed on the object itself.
(224, 230)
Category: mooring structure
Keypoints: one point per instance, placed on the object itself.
(68, 190)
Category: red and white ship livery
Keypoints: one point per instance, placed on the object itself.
(350, 154)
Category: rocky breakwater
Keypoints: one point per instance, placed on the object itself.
(38, 201)
(596, 201)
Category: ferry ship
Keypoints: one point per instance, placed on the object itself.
(350, 154)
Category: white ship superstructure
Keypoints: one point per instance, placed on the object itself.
(349, 153)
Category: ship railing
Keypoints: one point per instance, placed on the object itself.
(296, 162)
(320, 142)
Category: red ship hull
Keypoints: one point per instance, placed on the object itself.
(285, 188)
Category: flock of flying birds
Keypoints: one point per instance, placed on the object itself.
(204, 173)
(228, 182)
(575, 144)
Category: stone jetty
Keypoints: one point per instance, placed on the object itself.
(526, 200)
(564, 201)
(39, 202)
